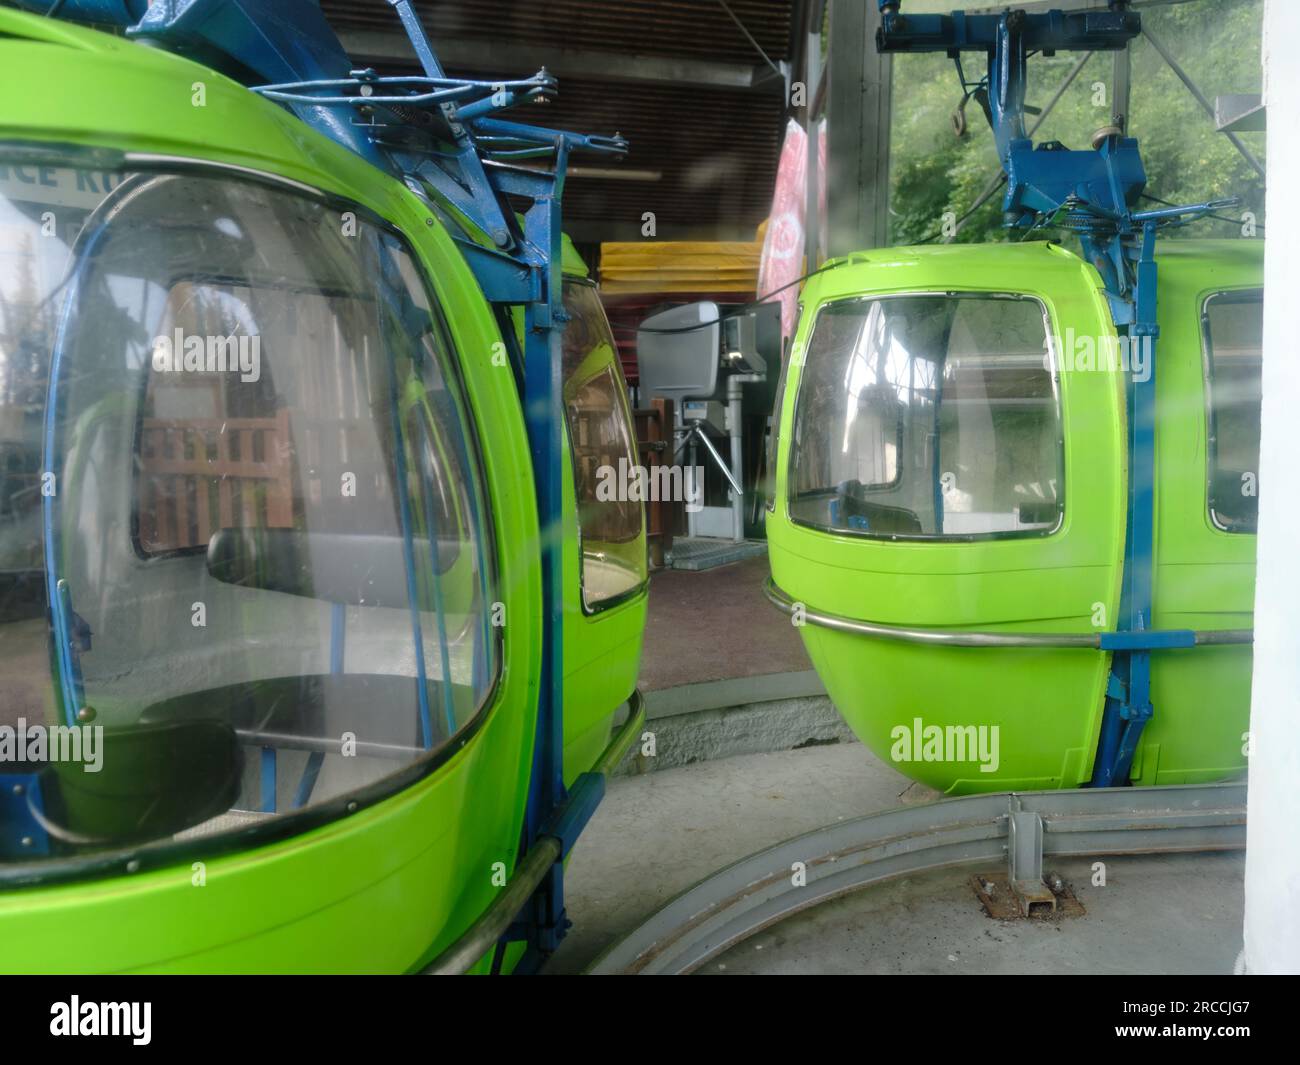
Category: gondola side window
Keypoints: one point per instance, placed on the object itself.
(267, 542)
(1233, 331)
(611, 529)
(928, 416)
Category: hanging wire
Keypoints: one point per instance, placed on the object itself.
(983, 198)
(750, 38)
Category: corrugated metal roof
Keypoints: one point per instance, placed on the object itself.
(714, 148)
(716, 151)
(698, 28)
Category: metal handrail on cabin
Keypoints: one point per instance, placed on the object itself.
(1148, 639)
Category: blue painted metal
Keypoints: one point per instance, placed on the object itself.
(273, 40)
(1038, 180)
(469, 173)
(63, 619)
(338, 636)
(310, 773)
(101, 12)
(436, 134)
(1094, 195)
(543, 921)
(572, 817)
(1148, 640)
(544, 321)
(1045, 179)
(338, 647)
(268, 780)
(383, 264)
(503, 278)
(21, 833)
(1128, 697)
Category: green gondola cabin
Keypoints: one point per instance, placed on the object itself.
(950, 511)
(269, 538)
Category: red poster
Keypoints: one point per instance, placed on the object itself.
(783, 247)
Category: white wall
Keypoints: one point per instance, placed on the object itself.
(1272, 925)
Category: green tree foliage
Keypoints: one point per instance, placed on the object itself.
(1218, 43)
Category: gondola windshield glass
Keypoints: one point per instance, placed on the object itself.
(601, 434)
(928, 416)
(243, 535)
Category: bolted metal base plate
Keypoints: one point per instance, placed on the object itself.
(1051, 899)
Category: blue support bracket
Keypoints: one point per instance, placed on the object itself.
(269, 780)
(568, 822)
(1124, 718)
(543, 397)
(544, 921)
(503, 278)
(22, 833)
(1166, 640)
(1038, 180)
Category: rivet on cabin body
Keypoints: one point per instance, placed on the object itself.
(133, 866)
(352, 807)
(86, 713)
(27, 841)
(18, 789)
(428, 221)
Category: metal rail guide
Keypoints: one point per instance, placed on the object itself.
(972, 832)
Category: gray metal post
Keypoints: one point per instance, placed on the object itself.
(734, 424)
(1121, 89)
(859, 105)
(812, 209)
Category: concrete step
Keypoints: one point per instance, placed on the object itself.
(722, 719)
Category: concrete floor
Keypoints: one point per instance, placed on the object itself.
(1157, 915)
(659, 833)
(716, 625)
